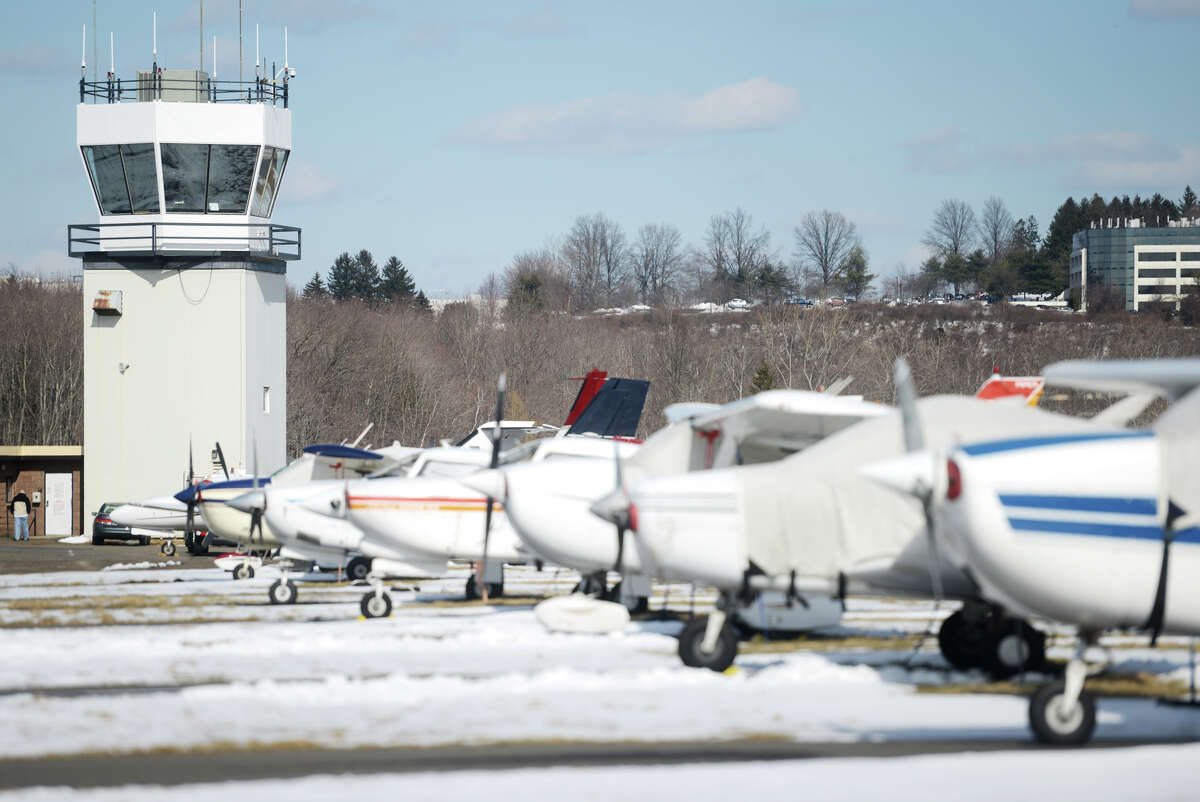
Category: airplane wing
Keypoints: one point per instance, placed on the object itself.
(338, 460)
(1173, 378)
(770, 425)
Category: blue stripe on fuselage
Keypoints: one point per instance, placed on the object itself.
(995, 446)
(1189, 535)
(1127, 506)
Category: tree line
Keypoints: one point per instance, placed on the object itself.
(360, 278)
(596, 265)
(1003, 254)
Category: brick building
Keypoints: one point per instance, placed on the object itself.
(52, 478)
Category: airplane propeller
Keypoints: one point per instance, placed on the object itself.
(256, 512)
(190, 525)
(1158, 612)
(927, 484)
(221, 458)
(614, 507)
(498, 435)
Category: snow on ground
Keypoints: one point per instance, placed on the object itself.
(1152, 773)
(438, 673)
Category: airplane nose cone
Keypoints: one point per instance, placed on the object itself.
(613, 507)
(491, 483)
(248, 502)
(331, 502)
(913, 474)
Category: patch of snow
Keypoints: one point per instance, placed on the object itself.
(142, 564)
(75, 539)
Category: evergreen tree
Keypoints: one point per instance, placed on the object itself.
(977, 264)
(955, 270)
(1066, 221)
(1187, 204)
(422, 303)
(395, 283)
(315, 288)
(931, 271)
(343, 277)
(763, 379)
(771, 282)
(853, 276)
(366, 276)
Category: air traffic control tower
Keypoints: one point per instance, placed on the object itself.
(183, 278)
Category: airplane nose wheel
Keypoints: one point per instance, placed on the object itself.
(168, 548)
(243, 571)
(1057, 720)
(987, 639)
(708, 642)
(375, 605)
(283, 592)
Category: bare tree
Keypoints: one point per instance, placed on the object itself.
(656, 258)
(733, 251)
(995, 227)
(537, 280)
(595, 254)
(953, 229)
(823, 241)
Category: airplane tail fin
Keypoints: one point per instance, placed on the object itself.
(1007, 387)
(615, 409)
(592, 383)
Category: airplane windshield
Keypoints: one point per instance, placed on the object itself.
(448, 469)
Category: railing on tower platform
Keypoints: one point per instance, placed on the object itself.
(153, 85)
(267, 240)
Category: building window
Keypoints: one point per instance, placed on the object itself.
(1190, 272)
(269, 174)
(124, 177)
(1190, 256)
(266, 400)
(1156, 272)
(208, 178)
(1157, 289)
(1156, 256)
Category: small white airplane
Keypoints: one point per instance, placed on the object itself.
(1097, 529)
(550, 503)
(314, 514)
(812, 524)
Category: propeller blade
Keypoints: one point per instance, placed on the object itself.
(497, 436)
(221, 457)
(914, 441)
(191, 466)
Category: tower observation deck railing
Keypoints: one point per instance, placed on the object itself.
(266, 240)
(152, 85)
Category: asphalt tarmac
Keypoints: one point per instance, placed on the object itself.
(47, 554)
(170, 768)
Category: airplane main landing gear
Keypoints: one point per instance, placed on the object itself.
(1062, 713)
(358, 568)
(708, 642)
(633, 601)
(495, 589)
(984, 637)
(376, 603)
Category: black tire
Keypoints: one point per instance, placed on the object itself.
(97, 540)
(358, 568)
(589, 585)
(963, 644)
(168, 548)
(1016, 648)
(189, 540)
(282, 592)
(144, 540)
(243, 571)
(373, 606)
(691, 654)
(470, 591)
(1050, 727)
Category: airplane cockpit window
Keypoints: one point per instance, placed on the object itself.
(449, 470)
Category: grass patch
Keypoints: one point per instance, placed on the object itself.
(825, 643)
(1141, 684)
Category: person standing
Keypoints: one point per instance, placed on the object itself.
(19, 507)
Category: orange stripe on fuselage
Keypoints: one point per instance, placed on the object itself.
(440, 504)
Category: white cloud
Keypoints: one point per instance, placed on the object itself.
(631, 122)
(1164, 9)
(1112, 159)
(30, 59)
(304, 182)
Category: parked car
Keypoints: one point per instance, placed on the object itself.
(737, 303)
(797, 301)
(104, 529)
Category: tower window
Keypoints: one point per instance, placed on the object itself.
(124, 177)
(208, 178)
(266, 400)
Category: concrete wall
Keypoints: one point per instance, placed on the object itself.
(186, 360)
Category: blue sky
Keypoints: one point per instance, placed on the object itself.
(455, 135)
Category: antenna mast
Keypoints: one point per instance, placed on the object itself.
(239, 42)
(201, 35)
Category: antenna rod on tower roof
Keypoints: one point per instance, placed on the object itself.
(214, 57)
(83, 61)
(239, 41)
(112, 53)
(95, 58)
(256, 50)
(285, 60)
(201, 35)
(156, 36)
